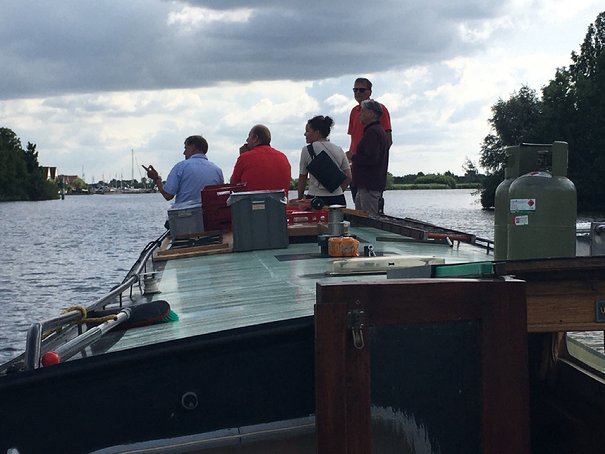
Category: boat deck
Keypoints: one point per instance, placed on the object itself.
(252, 321)
(225, 290)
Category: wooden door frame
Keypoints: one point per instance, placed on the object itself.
(343, 371)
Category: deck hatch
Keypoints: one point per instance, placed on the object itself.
(435, 350)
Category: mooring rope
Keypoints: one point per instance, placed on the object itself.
(81, 309)
(83, 319)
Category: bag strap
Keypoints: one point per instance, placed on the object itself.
(311, 150)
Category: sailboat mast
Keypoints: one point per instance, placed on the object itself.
(132, 167)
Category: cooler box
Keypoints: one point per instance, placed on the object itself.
(258, 220)
(217, 215)
(185, 222)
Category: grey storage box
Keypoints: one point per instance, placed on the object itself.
(258, 220)
(185, 222)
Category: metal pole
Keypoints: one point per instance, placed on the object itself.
(79, 343)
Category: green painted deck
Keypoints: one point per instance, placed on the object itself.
(229, 290)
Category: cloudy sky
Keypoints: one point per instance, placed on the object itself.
(90, 81)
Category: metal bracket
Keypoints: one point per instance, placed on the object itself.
(600, 311)
(356, 322)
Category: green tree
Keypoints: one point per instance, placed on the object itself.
(21, 177)
(12, 167)
(78, 184)
(471, 177)
(470, 170)
(390, 180)
(514, 121)
(571, 108)
(587, 138)
(446, 180)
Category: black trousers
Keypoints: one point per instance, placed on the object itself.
(329, 199)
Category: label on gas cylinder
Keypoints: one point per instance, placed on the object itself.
(521, 220)
(517, 205)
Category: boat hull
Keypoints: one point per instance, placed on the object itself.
(240, 378)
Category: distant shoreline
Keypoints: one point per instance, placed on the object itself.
(433, 186)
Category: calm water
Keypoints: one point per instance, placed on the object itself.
(62, 253)
(67, 252)
(456, 209)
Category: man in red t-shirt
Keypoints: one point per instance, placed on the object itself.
(362, 90)
(261, 166)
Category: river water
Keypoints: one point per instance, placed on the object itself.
(69, 252)
(62, 253)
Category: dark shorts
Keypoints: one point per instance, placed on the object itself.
(330, 199)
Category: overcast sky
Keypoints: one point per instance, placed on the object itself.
(89, 81)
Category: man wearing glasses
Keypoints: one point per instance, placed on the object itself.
(362, 90)
(371, 159)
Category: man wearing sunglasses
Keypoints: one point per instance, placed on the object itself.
(362, 90)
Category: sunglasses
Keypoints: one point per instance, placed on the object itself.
(359, 90)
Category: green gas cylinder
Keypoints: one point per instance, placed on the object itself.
(501, 203)
(520, 159)
(542, 207)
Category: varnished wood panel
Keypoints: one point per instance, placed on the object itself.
(563, 305)
(499, 306)
(561, 292)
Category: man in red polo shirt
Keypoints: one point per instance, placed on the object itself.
(261, 166)
(362, 90)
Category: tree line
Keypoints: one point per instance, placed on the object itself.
(471, 179)
(21, 177)
(570, 108)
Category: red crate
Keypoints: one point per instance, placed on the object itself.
(216, 195)
(220, 224)
(307, 216)
(217, 218)
(217, 215)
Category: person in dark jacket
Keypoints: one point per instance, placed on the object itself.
(371, 160)
(362, 91)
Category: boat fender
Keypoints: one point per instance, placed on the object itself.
(50, 359)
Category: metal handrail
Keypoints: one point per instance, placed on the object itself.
(33, 346)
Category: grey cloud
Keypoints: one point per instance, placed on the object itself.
(56, 48)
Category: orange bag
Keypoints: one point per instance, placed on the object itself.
(339, 246)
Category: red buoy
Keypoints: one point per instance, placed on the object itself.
(50, 358)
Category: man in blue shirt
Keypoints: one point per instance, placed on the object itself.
(187, 178)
